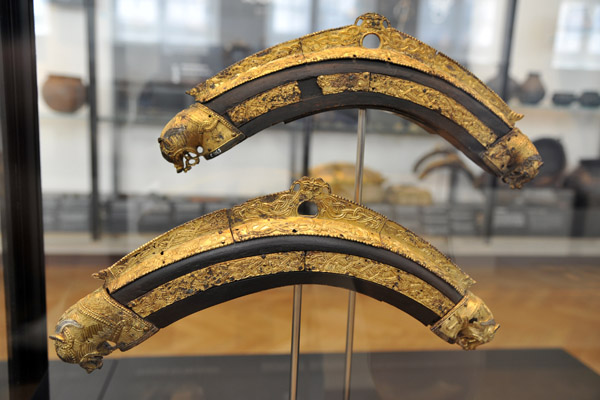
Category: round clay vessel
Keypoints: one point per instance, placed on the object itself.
(532, 90)
(512, 89)
(563, 99)
(64, 93)
(590, 99)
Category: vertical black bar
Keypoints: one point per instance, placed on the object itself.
(91, 94)
(306, 135)
(507, 50)
(21, 205)
(504, 81)
(453, 186)
(293, 157)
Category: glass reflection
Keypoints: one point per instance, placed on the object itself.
(151, 51)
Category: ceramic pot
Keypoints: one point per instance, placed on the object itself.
(563, 99)
(585, 181)
(590, 99)
(532, 90)
(512, 89)
(64, 93)
(555, 161)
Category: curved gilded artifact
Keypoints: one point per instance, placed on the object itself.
(304, 235)
(450, 161)
(333, 69)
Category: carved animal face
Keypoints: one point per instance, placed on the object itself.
(179, 145)
(78, 345)
(479, 329)
(85, 332)
(96, 326)
(182, 138)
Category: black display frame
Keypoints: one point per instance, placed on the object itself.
(21, 200)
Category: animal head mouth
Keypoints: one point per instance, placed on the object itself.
(180, 144)
(63, 343)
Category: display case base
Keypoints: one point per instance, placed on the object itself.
(481, 374)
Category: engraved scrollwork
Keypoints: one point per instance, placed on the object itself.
(249, 220)
(277, 215)
(373, 21)
(99, 324)
(382, 274)
(260, 104)
(268, 264)
(399, 239)
(345, 42)
(208, 232)
(283, 204)
(411, 91)
(341, 210)
(214, 276)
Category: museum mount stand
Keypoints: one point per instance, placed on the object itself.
(297, 305)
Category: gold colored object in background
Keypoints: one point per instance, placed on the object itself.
(99, 324)
(408, 195)
(341, 175)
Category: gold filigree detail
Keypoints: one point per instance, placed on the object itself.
(269, 264)
(201, 234)
(262, 103)
(470, 323)
(385, 275)
(278, 214)
(194, 132)
(411, 91)
(97, 324)
(214, 276)
(95, 327)
(348, 82)
(346, 43)
(400, 240)
(514, 158)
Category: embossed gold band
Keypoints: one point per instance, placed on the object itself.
(168, 272)
(402, 75)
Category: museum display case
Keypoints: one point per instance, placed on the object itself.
(125, 158)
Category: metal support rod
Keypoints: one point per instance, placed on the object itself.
(21, 205)
(360, 161)
(94, 211)
(306, 135)
(293, 157)
(296, 321)
(490, 190)
(295, 341)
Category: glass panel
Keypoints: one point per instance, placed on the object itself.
(537, 270)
